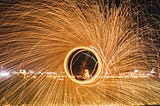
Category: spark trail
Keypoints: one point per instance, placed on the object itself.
(37, 35)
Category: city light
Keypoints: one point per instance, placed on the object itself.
(4, 74)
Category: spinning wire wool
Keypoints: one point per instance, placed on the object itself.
(86, 42)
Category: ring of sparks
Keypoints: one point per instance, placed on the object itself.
(83, 65)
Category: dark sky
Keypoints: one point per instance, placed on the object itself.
(151, 7)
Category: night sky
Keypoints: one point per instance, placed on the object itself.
(150, 7)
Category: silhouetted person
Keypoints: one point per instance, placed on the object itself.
(86, 74)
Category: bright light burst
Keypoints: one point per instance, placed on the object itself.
(37, 35)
